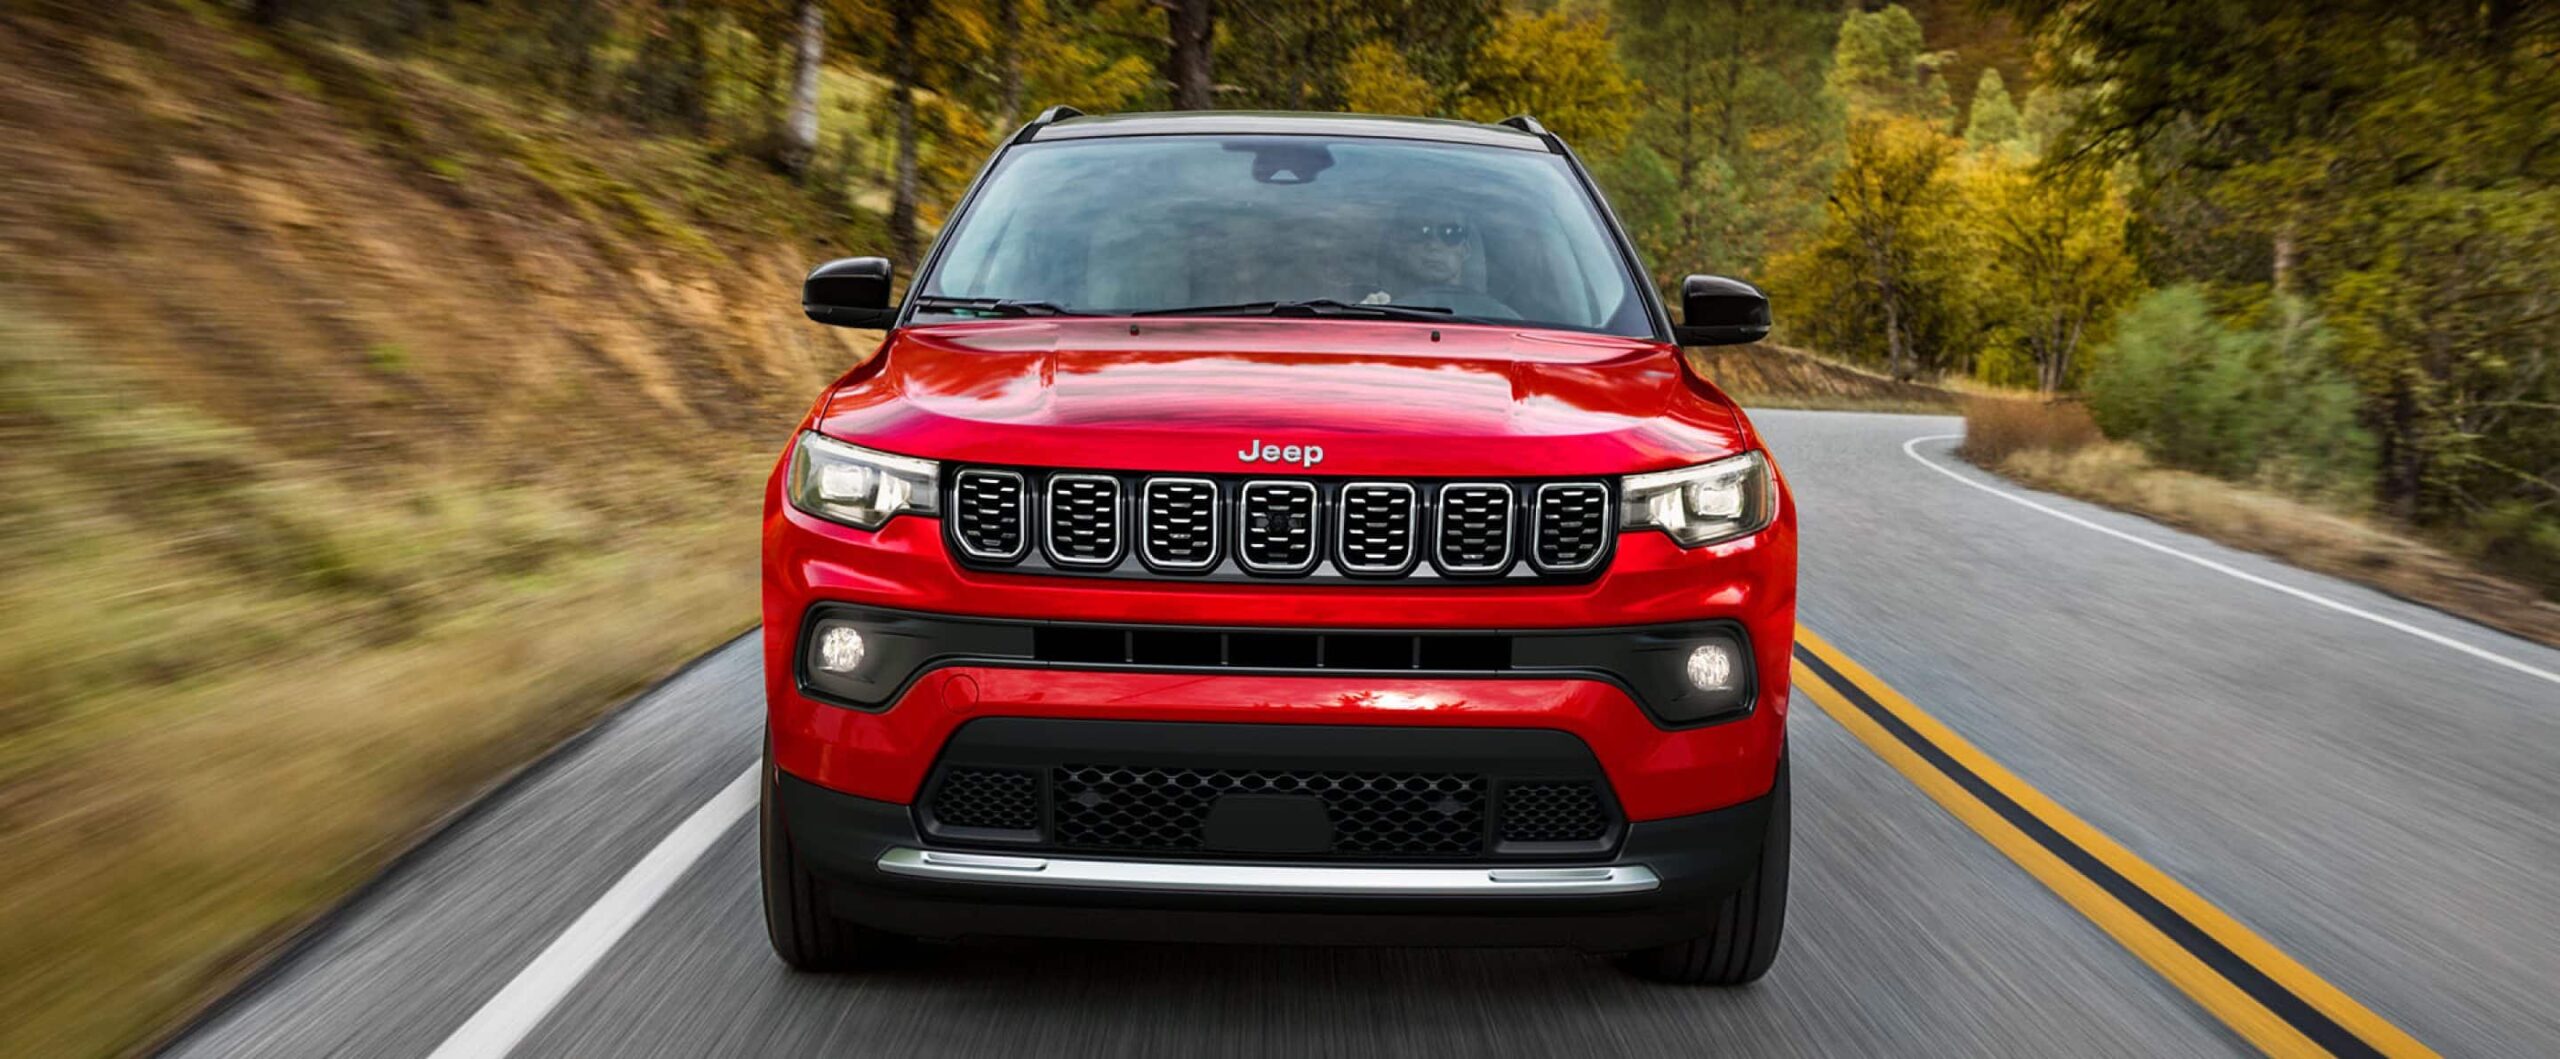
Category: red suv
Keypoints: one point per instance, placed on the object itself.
(1279, 527)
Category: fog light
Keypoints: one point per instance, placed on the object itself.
(840, 650)
(1712, 667)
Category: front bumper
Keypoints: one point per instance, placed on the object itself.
(1663, 885)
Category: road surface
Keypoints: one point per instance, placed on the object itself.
(2362, 789)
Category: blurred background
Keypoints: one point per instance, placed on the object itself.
(429, 354)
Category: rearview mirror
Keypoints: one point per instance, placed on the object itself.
(849, 292)
(1717, 311)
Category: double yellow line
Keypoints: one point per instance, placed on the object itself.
(2257, 990)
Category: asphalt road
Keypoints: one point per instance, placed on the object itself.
(2381, 805)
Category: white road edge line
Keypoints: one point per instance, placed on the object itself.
(1910, 448)
(503, 1022)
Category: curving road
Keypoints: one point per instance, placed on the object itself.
(2373, 788)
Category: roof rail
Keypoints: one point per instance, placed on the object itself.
(1527, 124)
(1058, 113)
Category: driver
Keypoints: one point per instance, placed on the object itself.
(1428, 246)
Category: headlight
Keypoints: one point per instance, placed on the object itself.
(1703, 504)
(859, 487)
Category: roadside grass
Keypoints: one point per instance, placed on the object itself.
(233, 683)
(1766, 375)
(2054, 446)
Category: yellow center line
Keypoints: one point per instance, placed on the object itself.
(2175, 961)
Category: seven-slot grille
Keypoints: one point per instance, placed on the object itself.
(1180, 517)
(1474, 535)
(992, 516)
(1376, 535)
(1136, 525)
(1084, 520)
(1572, 525)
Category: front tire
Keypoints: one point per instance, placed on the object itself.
(804, 930)
(1749, 924)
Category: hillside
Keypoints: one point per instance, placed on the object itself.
(365, 430)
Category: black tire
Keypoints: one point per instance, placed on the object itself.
(1749, 924)
(805, 933)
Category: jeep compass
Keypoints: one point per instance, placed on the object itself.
(1265, 527)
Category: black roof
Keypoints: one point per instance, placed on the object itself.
(1278, 123)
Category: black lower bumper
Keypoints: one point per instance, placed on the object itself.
(1698, 860)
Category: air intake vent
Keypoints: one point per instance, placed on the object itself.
(1180, 527)
(990, 514)
(1572, 526)
(1474, 528)
(1084, 520)
(1276, 527)
(1377, 528)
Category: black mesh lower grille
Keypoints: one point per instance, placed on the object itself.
(1374, 814)
(995, 799)
(1553, 812)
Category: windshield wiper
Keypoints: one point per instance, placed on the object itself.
(938, 303)
(1309, 307)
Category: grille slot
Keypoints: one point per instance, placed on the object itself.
(1084, 520)
(1572, 526)
(1178, 528)
(1274, 649)
(1276, 527)
(1373, 814)
(1474, 528)
(1377, 528)
(990, 514)
(986, 800)
(1552, 812)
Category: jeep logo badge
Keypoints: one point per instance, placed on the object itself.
(1302, 455)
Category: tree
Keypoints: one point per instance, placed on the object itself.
(1191, 26)
(800, 131)
(1561, 68)
(1882, 67)
(1881, 203)
(2057, 267)
(1994, 121)
(905, 72)
(1737, 135)
(1377, 80)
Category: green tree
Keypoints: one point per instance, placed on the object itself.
(1737, 135)
(1882, 66)
(1994, 121)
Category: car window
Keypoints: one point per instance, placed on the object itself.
(1165, 222)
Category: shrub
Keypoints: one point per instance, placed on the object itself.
(1995, 427)
(2238, 403)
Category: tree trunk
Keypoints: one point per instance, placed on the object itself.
(800, 130)
(269, 12)
(902, 199)
(1192, 25)
(1008, 65)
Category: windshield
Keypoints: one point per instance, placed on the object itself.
(1158, 223)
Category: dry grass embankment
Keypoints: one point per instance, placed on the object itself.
(2055, 446)
(1767, 375)
(362, 432)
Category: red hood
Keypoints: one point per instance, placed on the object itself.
(1379, 398)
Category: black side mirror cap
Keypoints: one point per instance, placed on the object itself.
(1718, 311)
(849, 292)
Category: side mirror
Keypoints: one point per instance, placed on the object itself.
(849, 292)
(1716, 311)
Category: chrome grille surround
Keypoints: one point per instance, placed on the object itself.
(1178, 516)
(982, 500)
(1091, 524)
(1279, 537)
(1570, 515)
(1471, 528)
(1375, 526)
